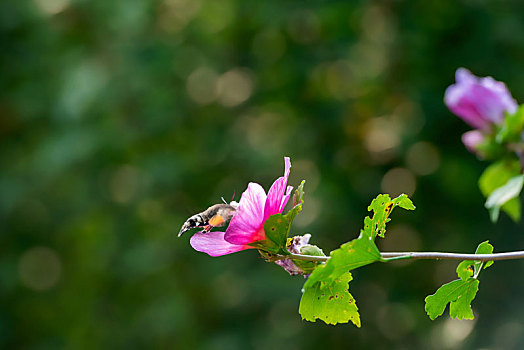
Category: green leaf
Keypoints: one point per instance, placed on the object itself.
(458, 294)
(357, 253)
(496, 176)
(465, 270)
(308, 249)
(503, 194)
(404, 202)
(471, 268)
(276, 227)
(382, 206)
(511, 129)
(299, 194)
(330, 302)
(483, 248)
(362, 250)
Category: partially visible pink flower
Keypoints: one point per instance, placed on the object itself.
(247, 226)
(294, 247)
(472, 139)
(480, 102)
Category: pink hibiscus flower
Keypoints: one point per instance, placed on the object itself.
(480, 102)
(247, 225)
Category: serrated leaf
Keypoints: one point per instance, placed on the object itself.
(332, 303)
(362, 250)
(458, 294)
(382, 206)
(356, 253)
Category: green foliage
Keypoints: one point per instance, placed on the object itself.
(459, 293)
(357, 253)
(308, 266)
(277, 226)
(330, 302)
(511, 129)
(362, 250)
(382, 206)
(502, 194)
(105, 151)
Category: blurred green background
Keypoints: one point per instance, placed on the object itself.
(120, 119)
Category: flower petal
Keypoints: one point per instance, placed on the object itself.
(275, 195)
(245, 225)
(286, 197)
(480, 102)
(214, 244)
(472, 139)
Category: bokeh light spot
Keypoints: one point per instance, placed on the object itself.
(451, 333)
(174, 15)
(52, 7)
(398, 181)
(202, 85)
(216, 15)
(39, 268)
(382, 135)
(235, 87)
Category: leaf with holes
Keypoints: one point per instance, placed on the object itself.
(330, 302)
(362, 250)
(357, 253)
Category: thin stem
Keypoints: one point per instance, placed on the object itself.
(422, 255)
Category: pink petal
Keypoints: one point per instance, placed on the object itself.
(480, 102)
(275, 195)
(472, 139)
(214, 244)
(285, 199)
(248, 220)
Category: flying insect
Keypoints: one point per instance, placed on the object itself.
(215, 216)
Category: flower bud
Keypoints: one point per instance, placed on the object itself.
(472, 139)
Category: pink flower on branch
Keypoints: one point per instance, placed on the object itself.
(480, 102)
(247, 225)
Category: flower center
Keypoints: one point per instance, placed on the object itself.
(259, 234)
